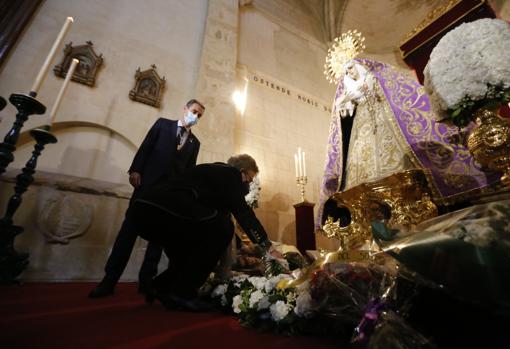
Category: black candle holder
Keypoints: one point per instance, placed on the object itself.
(26, 105)
(12, 263)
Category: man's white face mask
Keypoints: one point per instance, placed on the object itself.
(190, 119)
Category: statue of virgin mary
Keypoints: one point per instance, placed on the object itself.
(381, 124)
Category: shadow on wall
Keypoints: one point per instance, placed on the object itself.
(289, 234)
(91, 163)
(279, 203)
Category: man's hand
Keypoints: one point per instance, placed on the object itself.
(135, 179)
(275, 253)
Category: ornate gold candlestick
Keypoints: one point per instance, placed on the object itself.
(301, 182)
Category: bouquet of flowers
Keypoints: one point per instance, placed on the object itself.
(259, 302)
(329, 300)
(468, 70)
(252, 198)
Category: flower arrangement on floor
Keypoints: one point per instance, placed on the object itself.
(468, 70)
(329, 301)
(452, 269)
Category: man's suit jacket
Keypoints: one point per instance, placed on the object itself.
(202, 194)
(158, 157)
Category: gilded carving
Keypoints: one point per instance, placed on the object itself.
(401, 200)
(490, 143)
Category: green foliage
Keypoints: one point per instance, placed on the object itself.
(463, 112)
(274, 267)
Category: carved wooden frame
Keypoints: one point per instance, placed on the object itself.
(88, 67)
(148, 88)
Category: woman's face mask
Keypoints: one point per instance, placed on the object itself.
(190, 119)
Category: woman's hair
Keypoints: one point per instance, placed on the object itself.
(244, 162)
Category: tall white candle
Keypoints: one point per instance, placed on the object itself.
(296, 164)
(300, 164)
(69, 75)
(45, 67)
(304, 165)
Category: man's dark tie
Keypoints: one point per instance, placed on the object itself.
(180, 135)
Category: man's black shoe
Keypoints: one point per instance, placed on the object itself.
(103, 289)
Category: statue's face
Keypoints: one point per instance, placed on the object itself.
(352, 72)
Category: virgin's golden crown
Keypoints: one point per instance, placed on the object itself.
(344, 48)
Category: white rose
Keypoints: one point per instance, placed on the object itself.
(255, 297)
(258, 282)
(279, 310)
(263, 303)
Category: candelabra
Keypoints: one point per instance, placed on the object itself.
(301, 182)
(26, 105)
(12, 263)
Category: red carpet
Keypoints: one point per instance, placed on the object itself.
(59, 315)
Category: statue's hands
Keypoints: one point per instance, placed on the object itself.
(135, 179)
(349, 96)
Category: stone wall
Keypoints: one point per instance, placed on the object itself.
(70, 224)
(288, 105)
(129, 34)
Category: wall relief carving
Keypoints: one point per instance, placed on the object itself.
(63, 217)
(148, 87)
(86, 70)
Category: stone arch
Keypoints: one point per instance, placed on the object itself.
(59, 126)
(84, 150)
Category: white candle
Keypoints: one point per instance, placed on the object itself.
(69, 75)
(45, 67)
(304, 165)
(296, 164)
(300, 164)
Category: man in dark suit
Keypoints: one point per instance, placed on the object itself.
(168, 149)
(190, 216)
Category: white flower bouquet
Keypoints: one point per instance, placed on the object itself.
(252, 198)
(330, 300)
(259, 299)
(468, 70)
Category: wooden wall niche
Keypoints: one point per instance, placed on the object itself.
(86, 70)
(148, 87)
